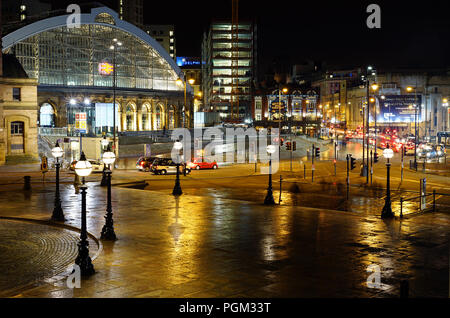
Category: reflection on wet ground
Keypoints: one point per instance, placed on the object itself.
(208, 246)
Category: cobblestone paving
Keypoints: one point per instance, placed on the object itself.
(213, 247)
(32, 252)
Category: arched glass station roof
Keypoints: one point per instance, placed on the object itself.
(61, 56)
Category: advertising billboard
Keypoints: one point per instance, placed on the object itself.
(399, 109)
(80, 123)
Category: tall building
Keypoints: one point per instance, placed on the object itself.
(220, 76)
(165, 36)
(132, 11)
(192, 69)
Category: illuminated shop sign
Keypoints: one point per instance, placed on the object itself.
(188, 61)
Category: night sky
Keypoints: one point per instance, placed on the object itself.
(412, 34)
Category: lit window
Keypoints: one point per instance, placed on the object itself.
(22, 8)
(22, 17)
(171, 40)
(171, 48)
(171, 33)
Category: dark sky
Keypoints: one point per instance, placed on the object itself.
(412, 34)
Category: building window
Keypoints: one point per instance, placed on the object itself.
(22, 17)
(22, 8)
(16, 93)
(16, 128)
(171, 33)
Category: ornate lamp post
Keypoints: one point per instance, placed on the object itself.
(83, 168)
(387, 209)
(108, 229)
(177, 188)
(269, 197)
(104, 142)
(58, 214)
(114, 48)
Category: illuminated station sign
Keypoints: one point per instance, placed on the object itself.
(105, 68)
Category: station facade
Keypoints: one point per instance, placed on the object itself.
(68, 61)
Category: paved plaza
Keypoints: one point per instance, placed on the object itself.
(206, 246)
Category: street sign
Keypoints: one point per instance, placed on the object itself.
(81, 123)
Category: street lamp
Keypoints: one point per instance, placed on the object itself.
(58, 214)
(181, 82)
(114, 49)
(387, 209)
(104, 142)
(409, 89)
(108, 229)
(177, 188)
(269, 197)
(83, 168)
(280, 91)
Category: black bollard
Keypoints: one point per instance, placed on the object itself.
(27, 183)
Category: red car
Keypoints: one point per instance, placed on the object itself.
(198, 164)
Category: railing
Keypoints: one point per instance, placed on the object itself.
(433, 206)
(49, 131)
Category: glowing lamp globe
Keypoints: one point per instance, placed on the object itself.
(83, 168)
(109, 157)
(271, 149)
(57, 151)
(177, 145)
(104, 142)
(388, 153)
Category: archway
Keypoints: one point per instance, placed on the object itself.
(146, 117)
(159, 117)
(46, 115)
(171, 117)
(130, 118)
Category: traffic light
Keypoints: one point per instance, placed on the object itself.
(288, 145)
(352, 163)
(317, 152)
(294, 145)
(375, 158)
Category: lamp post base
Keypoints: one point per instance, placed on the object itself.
(177, 190)
(269, 198)
(108, 230)
(83, 259)
(58, 214)
(387, 213)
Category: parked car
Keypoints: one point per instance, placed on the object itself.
(97, 166)
(165, 166)
(198, 164)
(145, 163)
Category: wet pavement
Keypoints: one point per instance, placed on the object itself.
(207, 246)
(32, 252)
